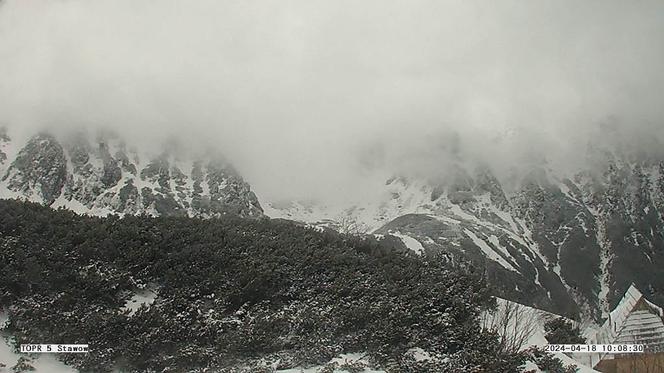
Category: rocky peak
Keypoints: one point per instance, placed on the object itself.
(39, 170)
(567, 242)
(4, 142)
(99, 175)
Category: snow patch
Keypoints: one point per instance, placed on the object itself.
(4, 318)
(410, 243)
(144, 297)
(341, 359)
(537, 337)
(496, 243)
(488, 251)
(445, 219)
(419, 354)
(44, 363)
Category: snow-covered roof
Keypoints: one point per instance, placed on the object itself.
(628, 323)
(642, 327)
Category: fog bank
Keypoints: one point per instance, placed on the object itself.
(309, 98)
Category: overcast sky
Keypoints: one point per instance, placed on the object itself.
(306, 96)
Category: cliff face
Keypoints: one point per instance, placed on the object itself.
(569, 243)
(104, 175)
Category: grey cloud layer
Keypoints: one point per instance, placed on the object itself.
(305, 95)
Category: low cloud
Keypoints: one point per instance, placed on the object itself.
(309, 98)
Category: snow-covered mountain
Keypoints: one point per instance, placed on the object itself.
(101, 174)
(569, 242)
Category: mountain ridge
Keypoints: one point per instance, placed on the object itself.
(569, 243)
(566, 242)
(103, 175)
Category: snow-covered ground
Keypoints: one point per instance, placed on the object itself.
(410, 242)
(142, 297)
(43, 363)
(489, 251)
(46, 363)
(4, 318)
(536, 337)
(344, 358)
(395, 198)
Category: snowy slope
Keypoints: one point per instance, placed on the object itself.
(410, 243)
(341, 359)
(44, 363)
(536, 337)
(103, 175)
(565, 241)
